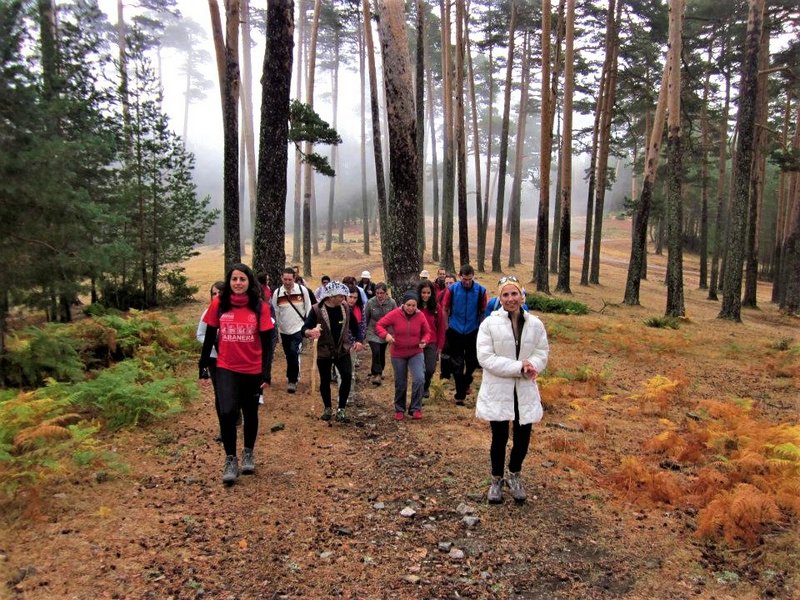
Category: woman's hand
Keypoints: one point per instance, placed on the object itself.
(529, 370)
(389, 338)
(358, 346)
(313, 333)
(423, 343)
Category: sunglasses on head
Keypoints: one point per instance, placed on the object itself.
(507, 278)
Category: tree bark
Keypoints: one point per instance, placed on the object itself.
(402, 211)
(247, 111)
(704, 175)
(385, 224)
(476, 148)
(269, 254)
(362, 72)
(502, 165)
(566, 153)
(557, 66)
(757, 179)
(514, 252)
(719, 219)
(230, 121)
(419, 89)
(780, 221)
(674, 213)
(448, 175)
(642, 212)
(434, 168)
(745, 124)
(307, 170)
(461, 143)
(297, 220)
(540, 274)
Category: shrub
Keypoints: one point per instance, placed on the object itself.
(663, 322)
(559, 306)
(128, 394)
(43, 354)
(178, 288)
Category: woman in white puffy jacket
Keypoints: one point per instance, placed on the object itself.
(512, 349)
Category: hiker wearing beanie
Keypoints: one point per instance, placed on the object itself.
(408, 332)
(332, 323)
(512, 349)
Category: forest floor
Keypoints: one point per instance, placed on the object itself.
(321, 518)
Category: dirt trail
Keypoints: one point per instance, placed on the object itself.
(321, 518)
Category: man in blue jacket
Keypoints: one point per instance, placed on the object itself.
(464, 303)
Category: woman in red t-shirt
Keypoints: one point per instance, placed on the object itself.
(244, 324)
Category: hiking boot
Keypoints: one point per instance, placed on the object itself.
(459, 401)
(426, 394)
(248, 462)
(417, 415)
(231, 470)
(399, 415)
(341, 416)
(495, 495)
(514, 483)
(376, 380)
(327, 414)
(292, 387)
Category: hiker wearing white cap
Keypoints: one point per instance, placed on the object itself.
(424, 274)
(365, 283)
(332, 323)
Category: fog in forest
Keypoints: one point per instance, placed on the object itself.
(204, 136)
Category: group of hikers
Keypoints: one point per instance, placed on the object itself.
(448, 320)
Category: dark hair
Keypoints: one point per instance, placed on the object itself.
(349, 280)
(324, 278)
(431, 305)
(218, 285)
(466, 270)
(262, 277)
(354, 290)
(253, 290)
(381, 286)
(289, 270)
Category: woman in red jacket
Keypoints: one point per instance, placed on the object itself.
(408, 332)
(243, 361)
(429, 307)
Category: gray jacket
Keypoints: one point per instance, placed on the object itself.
(373, 313)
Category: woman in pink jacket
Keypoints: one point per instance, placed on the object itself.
(408, 332)
(434, 314)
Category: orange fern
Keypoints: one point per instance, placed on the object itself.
(739, 516)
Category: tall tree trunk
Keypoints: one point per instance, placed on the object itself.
(790, 271)
(757, 180)
(558, 63)
(448, 175)
(674, 212)
(461, 143)
(476, 145)
(419, 88)
(334, 159)
(720, 218)
(434, 168)
(540, 274)
(704, 124)
(599, 119)
(123, 67)
(269, 254)
(308, 171)
(566, 153)
(247, 111)
(402, 210)
(297, 221)
(362, 73)
(642, 212)
(488, 192)
(604, 146)
(780, 221)
(514, 252)
(230, 127)
(502, 165)
(385, 224)
(745, 125)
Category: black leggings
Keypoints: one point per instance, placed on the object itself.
(212, 370)
(378, 357)
(522, 438)
(344, 365)
(237, 391)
